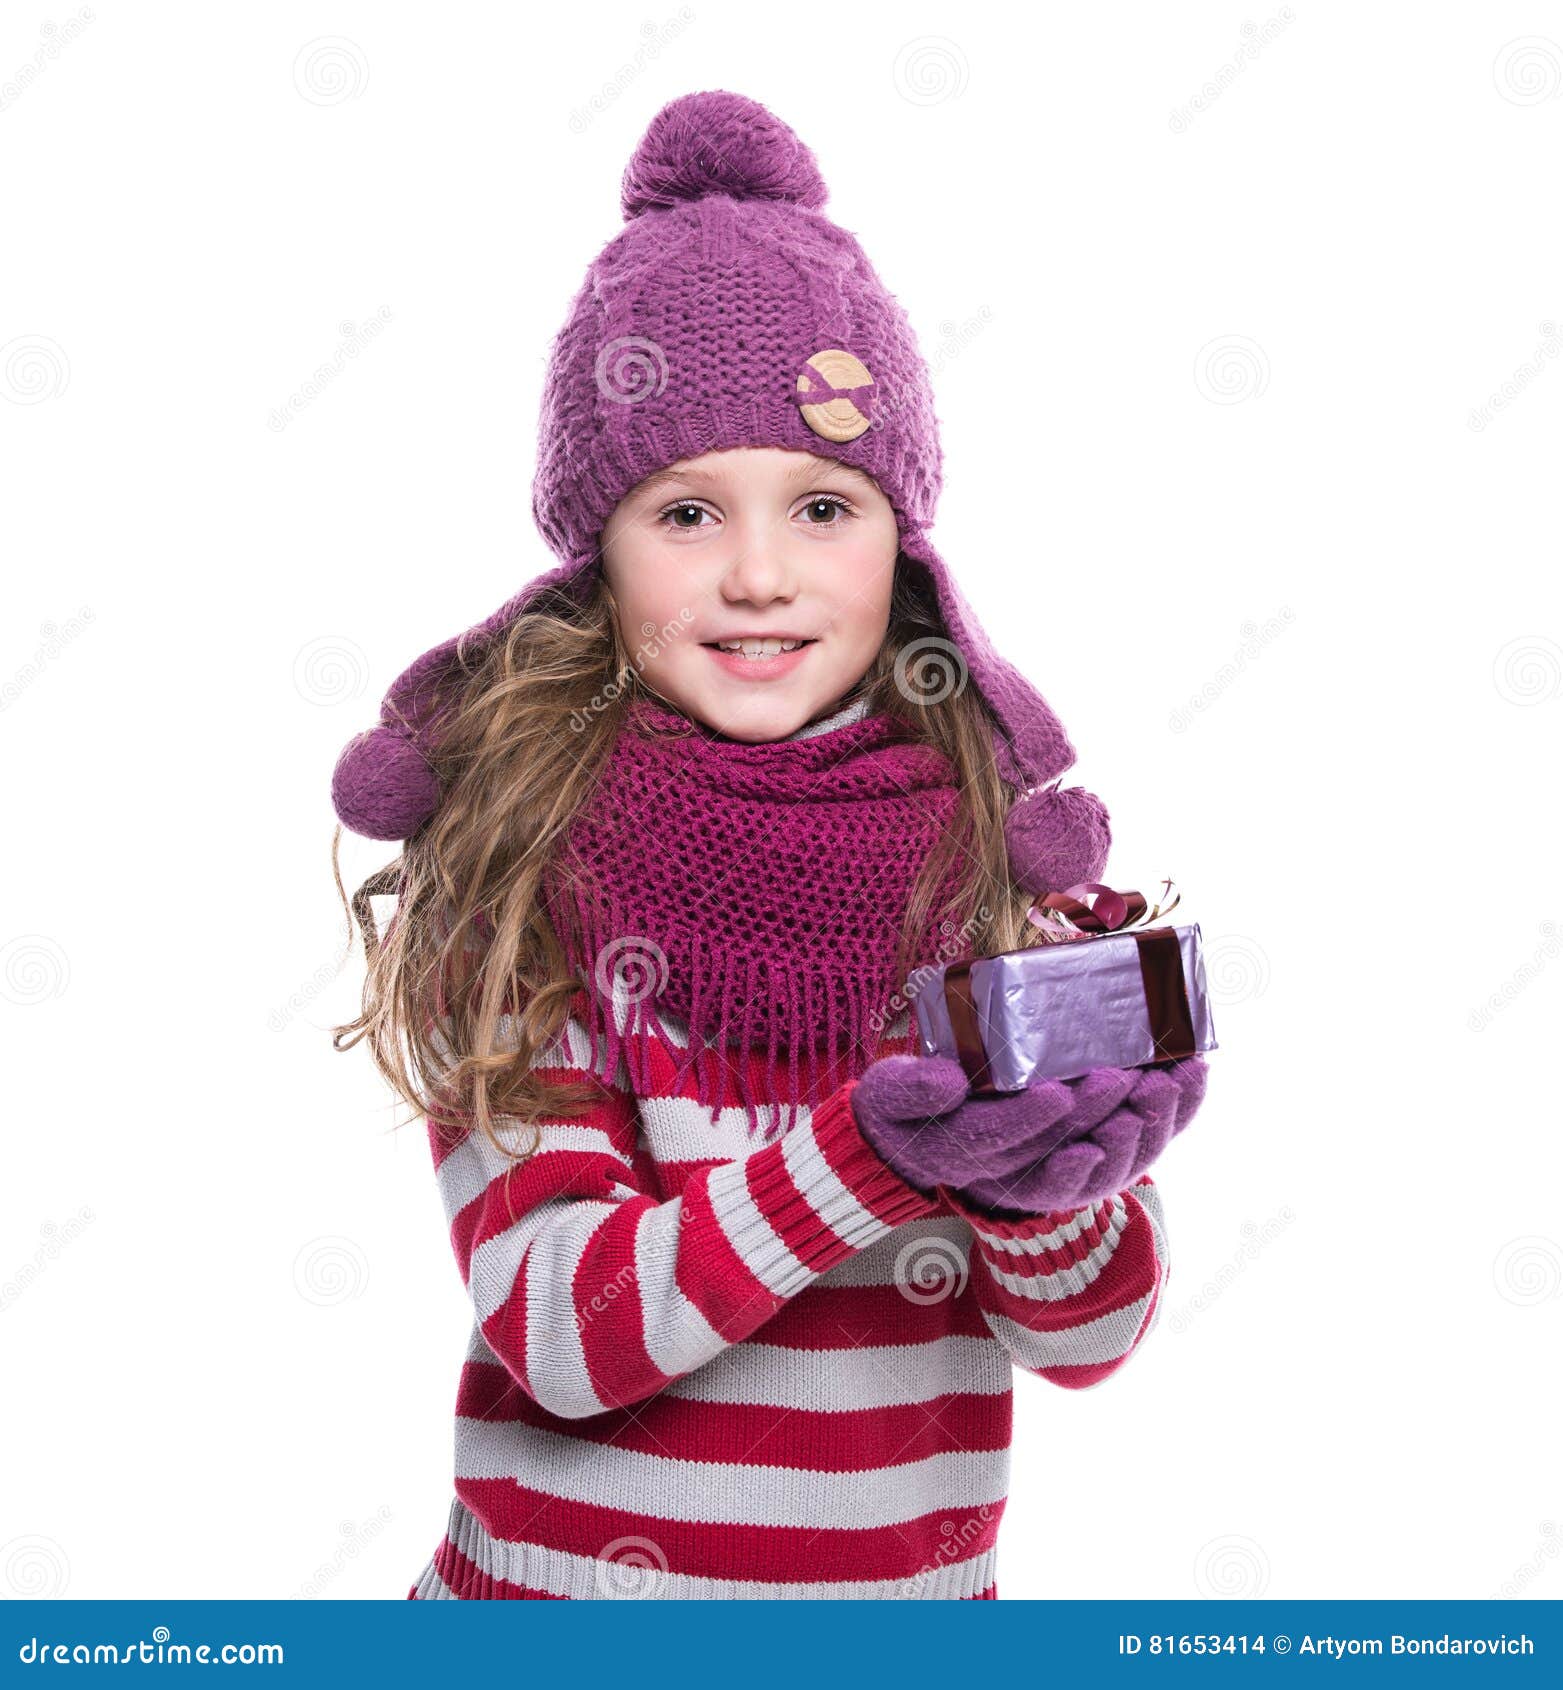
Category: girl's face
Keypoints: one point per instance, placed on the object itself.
(753, 544)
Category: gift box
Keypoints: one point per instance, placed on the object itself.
(1107, 991)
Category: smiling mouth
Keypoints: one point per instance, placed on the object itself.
(756, 648)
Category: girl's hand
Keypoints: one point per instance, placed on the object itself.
(1059, 1144)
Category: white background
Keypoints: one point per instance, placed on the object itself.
(1232, 349)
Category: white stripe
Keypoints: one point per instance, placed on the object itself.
(570, 1047)
(751, 1235)
(588, 1578)
(659, 1487)
(491, 1274)
(676, 1335)
(555, 1354)
(892, 1260)
(865, 1376)
(475, 1163)
(680, 1129)
(830, 1199)
(1149, 1198)
(1106, 1338)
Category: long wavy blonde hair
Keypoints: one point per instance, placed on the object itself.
(469, 983)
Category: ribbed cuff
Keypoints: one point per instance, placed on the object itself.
(1072, 1233)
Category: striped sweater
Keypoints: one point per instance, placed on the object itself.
(705, 1364)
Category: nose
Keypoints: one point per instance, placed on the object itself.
(761, 572)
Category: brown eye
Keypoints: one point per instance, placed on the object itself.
(826, 510)
(684, 515)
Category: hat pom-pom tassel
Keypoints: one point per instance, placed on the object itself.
(1056, 837)
(382, 787)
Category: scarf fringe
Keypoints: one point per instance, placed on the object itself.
(727, 992)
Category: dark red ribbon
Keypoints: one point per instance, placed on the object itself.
(1161, 974)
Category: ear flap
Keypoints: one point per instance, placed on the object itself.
(1057, 837)
(382, 787)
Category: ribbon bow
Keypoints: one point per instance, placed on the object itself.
(1072, 917)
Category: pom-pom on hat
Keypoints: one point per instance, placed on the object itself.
(727, 312)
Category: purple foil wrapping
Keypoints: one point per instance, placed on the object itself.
(1058, 1010)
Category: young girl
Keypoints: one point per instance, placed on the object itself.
(682, 820)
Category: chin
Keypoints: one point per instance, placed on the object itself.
(755, 721)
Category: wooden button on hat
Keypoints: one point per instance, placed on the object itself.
(838, 378)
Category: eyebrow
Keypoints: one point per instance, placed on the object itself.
(809, 469)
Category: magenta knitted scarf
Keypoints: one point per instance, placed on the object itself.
(755, 892)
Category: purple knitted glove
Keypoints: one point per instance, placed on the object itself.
(1059, 1144)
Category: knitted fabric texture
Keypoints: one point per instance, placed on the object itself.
(757, 892)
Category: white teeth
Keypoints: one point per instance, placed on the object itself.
(759, 648)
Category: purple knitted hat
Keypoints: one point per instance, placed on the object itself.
(730, 312)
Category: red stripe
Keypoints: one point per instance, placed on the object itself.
(846, 1317)
(1130, 1273)
(713, 1276)
(910, 1549)
(761, 1434)
(609, 1315)
(1076, 1378)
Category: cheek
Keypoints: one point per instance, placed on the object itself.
(862, 588)
(649, 590)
